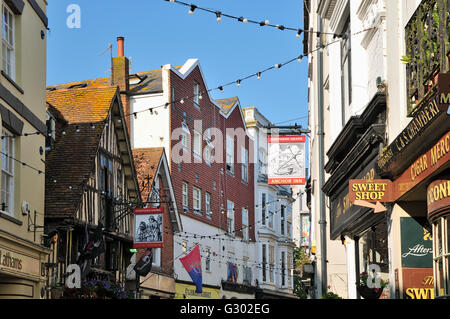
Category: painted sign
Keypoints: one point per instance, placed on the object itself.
(438, 198)
(372, 191)
(444, 92)
(416, 243)
(187, 291)
(286, 160)
(418, 283)
(15, 262)
(423, 167)
(424, 116)
(148, 228)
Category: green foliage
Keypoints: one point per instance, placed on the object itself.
(300, 258)
(406, 59)
(330, 295)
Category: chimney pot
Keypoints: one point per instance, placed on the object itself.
(120, 41)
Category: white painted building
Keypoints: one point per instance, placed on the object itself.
(274, 218)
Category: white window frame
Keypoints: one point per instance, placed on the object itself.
(185, 196)
(8, 169)
(245, 232)
(230, 154)
(271, 263)
(230, 217)
(196, 94)
(208, 210)
(244, 160)
(208, 259)
(197, 199)
(8, 44)
(283, 268)
(263, 208)
(197, 143)
(264, 263)
(270, 211)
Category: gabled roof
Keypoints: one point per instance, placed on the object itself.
(84, 113)
(227, 105)
(151, 162)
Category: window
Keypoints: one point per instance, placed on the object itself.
(197, 94)
(155, 193)
(230, 154)
(346, 70)
(50, 137)
(197, 144)
(208, 259)
(185, 134)
(184, 247)
(208, 205)
(208, 155)
(270, 212)
(262, 161)
(106, 175)
(230, 217)
(245, 224)
(197, 199)
(282, 217)
(244, 160)
(283, 269)
(441, 254)
(8, 41)
(156, 257)
(119, 182)
(263, 209)
(264, 263)
(271, 263)
(185, 195)
(209, 147)
(7, 173)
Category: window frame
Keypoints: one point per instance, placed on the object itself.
(196, 200)
(230, 153)
(244, 165)
(196, 98)
(230, 218)
(185, 195)
(245, 230)
(9, 171)
(6, 43)
(197, 144)
(208, 210)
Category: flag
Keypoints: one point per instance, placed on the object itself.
(193, 265)
(92, 248)
(144, 265)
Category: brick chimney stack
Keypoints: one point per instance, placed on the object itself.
(120, 77)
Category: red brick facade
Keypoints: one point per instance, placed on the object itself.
(228, 187)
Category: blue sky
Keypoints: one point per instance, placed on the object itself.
(158, 32)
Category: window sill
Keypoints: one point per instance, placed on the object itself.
(244, 182)
(10, 218)
(198, 212)
(10, 80)
(197, 156)
(230, 173)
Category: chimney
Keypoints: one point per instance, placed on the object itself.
(120, 41)
(120, 77)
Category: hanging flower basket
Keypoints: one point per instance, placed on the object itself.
(370, 293)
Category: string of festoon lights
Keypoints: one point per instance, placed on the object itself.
(270, 214)
(249, 262)
(263, 23)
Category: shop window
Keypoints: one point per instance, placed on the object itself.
(441, 247)
(373, 250)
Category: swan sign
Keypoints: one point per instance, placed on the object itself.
(286, 160)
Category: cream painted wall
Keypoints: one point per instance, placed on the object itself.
(30, 58)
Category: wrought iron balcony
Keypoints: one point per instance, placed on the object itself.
(427, 49)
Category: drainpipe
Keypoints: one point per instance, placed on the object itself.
(321, 133)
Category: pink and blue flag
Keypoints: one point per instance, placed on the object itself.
(193, 265)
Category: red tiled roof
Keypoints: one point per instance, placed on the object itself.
(146, 162)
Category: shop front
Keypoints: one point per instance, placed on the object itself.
(185, 290)
(22, 268)
(354, 155)
(157, 286)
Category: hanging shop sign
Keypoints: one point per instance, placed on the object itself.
(286, 160)
(372, 191)
(416, 243)
(343, 212)
(423, 167)
(438, 198)
(148, 228)
(444, 92)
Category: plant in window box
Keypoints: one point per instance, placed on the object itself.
(373, 292)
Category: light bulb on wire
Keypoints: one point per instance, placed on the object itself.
(218, 15)
(193, 7)
(258, 75)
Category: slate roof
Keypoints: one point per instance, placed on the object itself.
(72, 160)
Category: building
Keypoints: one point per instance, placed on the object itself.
(91, 184)
(391, 126)
(274, 220)
(211, 168)
(22, 108)
(153, 173)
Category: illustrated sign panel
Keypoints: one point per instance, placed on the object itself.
(286, 162)
(148, 228)
(416, 244)
(444, 92)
